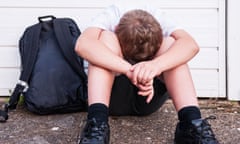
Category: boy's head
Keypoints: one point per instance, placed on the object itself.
(139, 35)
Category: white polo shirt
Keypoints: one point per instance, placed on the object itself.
(110, 17)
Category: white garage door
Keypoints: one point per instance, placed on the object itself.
(204, 19)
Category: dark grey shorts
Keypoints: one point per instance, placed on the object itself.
(126, 101)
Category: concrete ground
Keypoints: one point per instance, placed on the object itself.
(24, 127)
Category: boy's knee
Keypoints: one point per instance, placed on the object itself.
(166, 44)
(111, 41)
(170, 41)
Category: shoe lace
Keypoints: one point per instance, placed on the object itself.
(95, 130)
(206, 133)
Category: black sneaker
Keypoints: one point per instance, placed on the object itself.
(94, 133)
(199, 132)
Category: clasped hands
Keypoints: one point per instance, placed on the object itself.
(141, 75)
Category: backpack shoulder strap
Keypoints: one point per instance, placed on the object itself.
(67, 44)
(29, 55)
(30, 41)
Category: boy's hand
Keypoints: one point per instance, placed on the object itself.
(146, 90)
(144, 72)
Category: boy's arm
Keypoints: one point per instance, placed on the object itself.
(181, 51)
(96, 52)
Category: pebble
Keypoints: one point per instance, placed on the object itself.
(55, 128)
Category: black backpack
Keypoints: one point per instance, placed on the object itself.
(52, 78)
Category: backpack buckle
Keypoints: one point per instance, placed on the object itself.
(23, 84)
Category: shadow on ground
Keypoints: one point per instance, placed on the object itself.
(24, 127)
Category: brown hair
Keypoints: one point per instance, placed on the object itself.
(139, 35)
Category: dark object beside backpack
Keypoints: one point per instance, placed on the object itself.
(52, 78)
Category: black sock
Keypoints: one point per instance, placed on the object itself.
(189, 113)
(98, 111)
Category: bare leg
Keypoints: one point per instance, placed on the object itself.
(100, 80)
(179, 82)
(180, 87)
(100, 83)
